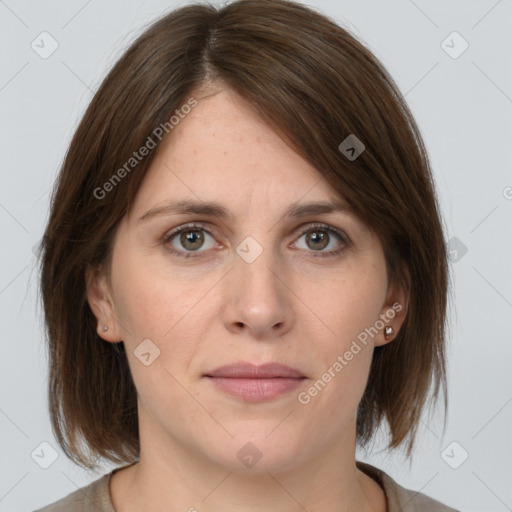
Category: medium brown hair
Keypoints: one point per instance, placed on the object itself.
(315, 84)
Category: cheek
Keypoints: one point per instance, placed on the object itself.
(153, 310)
(349, 306)
(154, 304)
(336, 389)
(149, 299)
(349, 302)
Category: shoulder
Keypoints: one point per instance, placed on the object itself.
(400, 499)
(94, 497)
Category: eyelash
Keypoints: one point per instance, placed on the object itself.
(201, 227)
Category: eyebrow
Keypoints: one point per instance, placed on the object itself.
(213, 209)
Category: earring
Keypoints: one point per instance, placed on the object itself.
(388, 331)
(105, 328)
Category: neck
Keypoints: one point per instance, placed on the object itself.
(171, 476)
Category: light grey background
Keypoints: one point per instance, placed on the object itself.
(463, 106)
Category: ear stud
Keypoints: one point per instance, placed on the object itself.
(388, 332)
(105, 328)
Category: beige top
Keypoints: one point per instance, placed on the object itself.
(95, 497)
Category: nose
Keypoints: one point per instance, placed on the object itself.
(258, 297)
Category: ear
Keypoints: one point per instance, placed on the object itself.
(101, 303)
(394, 310)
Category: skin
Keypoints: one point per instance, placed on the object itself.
(289, 305)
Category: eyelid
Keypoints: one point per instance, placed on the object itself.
(326, 227)
(300, 230)
(199, 226)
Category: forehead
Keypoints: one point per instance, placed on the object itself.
(222, 151)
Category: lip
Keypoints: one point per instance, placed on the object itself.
(251, 371)
(256, 383)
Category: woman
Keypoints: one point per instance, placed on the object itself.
(244, 271)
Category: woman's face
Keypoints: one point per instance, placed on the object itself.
(254, 285)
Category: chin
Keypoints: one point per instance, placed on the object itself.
(256, 453)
